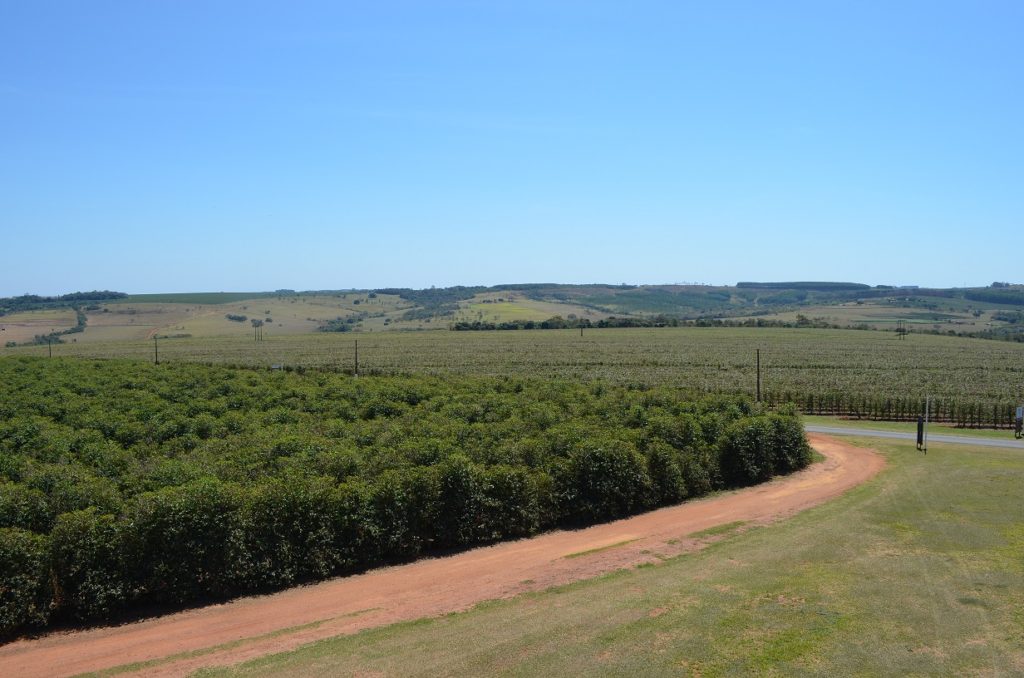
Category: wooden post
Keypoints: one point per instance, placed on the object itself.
(156, 352)
(49, 346)
(758, 375)
(927, 412)
(357, 357)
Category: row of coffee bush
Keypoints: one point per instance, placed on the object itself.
(125, 485)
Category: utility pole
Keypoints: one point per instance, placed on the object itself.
(357, 357)
(156, 352)
(758, 375)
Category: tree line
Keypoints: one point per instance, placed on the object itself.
(35, 302)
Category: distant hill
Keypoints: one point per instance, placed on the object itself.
(996, 311)
(816, 286)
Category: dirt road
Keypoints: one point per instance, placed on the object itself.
(251, 627)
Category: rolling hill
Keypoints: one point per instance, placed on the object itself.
(996, 311)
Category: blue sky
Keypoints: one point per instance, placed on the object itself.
(178, 146)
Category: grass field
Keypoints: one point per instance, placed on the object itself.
(949, 314)
(918, 572)
(24, 326)
(495, 307)
(139, 317)
(202, 315)
(704, 359)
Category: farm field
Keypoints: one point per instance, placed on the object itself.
(499, 307)
(948, 314)
(913, 573)
(22, 327)
(203, 315)
(141, 317)
(124, 485)
(985, 312)
(975, 382)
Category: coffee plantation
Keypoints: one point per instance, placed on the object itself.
(125, 485)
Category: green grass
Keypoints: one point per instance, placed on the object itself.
(918, 572)
(718, 530)
(140, 666)
(486, 307)
(504, 312)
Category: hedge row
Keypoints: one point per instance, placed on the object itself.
(125, 484)
(209, 539)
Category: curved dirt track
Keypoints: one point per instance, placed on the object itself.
(260, 625)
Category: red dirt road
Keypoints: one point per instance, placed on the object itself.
(252, 627)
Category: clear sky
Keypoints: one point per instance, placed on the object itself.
(213, 145)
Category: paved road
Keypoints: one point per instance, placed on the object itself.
(932, 437)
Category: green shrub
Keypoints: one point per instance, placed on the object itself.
(460, 503)
(701, 471)
(26, 593)
(791, 450)
(176, 484)
(285, 534)
(745, 452)
(90, 571)
(755, 449)
(72, 487)
(682, 431)
(601, 480)
(668, 484)
(356, 540)
(24, 507)
(180, 541)
(512, 504)
(402, 512)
